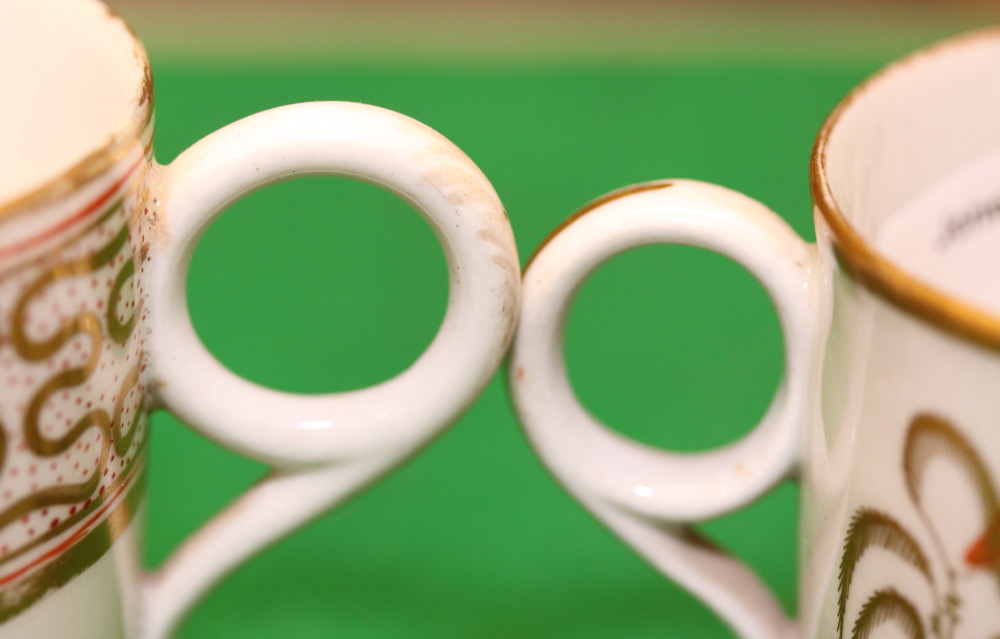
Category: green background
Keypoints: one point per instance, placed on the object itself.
(324, 284)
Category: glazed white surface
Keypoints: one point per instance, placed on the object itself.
(948, 234)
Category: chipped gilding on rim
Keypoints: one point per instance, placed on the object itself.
(127, 134)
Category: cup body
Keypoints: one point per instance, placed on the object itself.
(73, 408)
(901, 461)
(73, 412)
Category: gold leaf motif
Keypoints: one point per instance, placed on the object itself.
(888, 605)
(871, 528)
(930, 437)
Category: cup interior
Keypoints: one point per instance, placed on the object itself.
(73, 78)
(919, 120)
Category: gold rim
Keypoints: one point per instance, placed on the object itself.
(867, 265)
(126, 135)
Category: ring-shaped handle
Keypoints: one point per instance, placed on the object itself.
(323, 448)
(371, 144)
(649, 496)
(643, 479)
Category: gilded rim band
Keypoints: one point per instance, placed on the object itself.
(866, 264)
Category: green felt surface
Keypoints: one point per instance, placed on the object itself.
(322, 285)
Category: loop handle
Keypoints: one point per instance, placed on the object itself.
(323, 447)
(647, 495)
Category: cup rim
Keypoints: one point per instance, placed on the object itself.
(865, 263)
(120, 140)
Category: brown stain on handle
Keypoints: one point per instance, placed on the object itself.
(594, 204)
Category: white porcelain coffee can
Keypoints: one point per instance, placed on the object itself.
(95, 242)
(888, 410)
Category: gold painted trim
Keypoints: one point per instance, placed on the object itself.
(867, 265)
(123, 192)
(98, 161)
